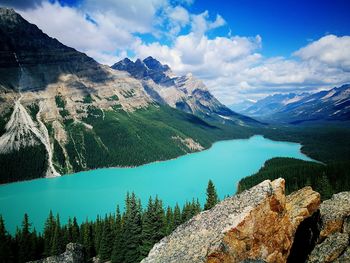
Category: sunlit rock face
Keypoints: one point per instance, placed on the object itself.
(258, 224)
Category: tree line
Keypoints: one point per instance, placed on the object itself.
(119, 237)
(327, 179)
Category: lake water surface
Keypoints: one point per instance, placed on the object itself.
(87, 194)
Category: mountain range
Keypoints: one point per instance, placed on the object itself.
(326, 105)
(185, 93)
(62, 112)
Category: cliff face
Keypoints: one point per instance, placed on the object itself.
(258, 224)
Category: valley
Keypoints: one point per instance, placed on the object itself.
(128, 149)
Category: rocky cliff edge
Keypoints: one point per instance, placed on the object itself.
(258, 224)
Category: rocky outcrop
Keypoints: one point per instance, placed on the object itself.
(333, 244)
(74, 254)
(257, 225)
(334, 213)
(330, 249)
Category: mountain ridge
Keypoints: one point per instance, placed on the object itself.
(186, 93)
(292, 108)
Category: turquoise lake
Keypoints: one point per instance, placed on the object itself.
(87, 194)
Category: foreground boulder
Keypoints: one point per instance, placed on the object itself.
(334, 240)
(257, 225)
(74, 254)
(335, 213)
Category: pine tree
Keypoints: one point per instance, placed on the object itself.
(4, 243)
(324, 187)
(186, 212)
(87, 239)
(25, 252)
(49, 231)
(75, 233)
(106, 245)
(98, 233)
(169, 221)
(68, 230)
(177, 216)
(117, 253)
(159, 222)
(147, 229)
(212, 197)
(153, 226)
(57, 242)
(132, 229)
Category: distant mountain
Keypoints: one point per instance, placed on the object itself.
(185, 93)
(241, 106)
(271, 104)
(327, 105)
(62, 112)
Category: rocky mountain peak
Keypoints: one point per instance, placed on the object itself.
(149, 68)
(186, 93)
(154, 64)
(8, 14)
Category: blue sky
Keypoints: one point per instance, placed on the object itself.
(242, 49)
(285, 25)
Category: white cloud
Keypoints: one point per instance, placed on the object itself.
(71, 27)
(132, 16)
(331, 50)
(232, 66)
(201, 23)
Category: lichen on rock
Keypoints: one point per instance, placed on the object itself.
(333, 213)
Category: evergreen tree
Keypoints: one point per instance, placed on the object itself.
(106, 245)
(177, 216)
(88, 240)
(4, 243)
(212, 197)
(186, 212)
(98, 228)
(68, 230)
(117, 253)
(57, 242)
(169, 221)
(153, 227)
(75, 233)
(147, 228)
(324, 187)
(49, 231)
(132, 229)
(25, 252)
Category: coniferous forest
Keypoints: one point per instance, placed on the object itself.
(119, 237)
(327, 179)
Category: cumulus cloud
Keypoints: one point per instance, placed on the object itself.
(201, 23)
(101, 38)
(331, 50)
(233, 67)
(178, 17)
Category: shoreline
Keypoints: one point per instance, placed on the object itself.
(158, 161)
